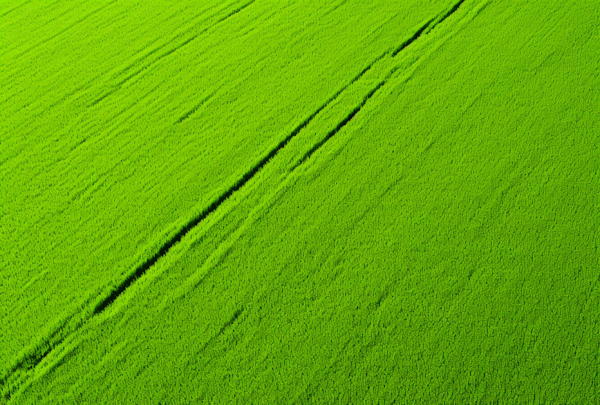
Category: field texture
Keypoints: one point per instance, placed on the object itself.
(300, 202)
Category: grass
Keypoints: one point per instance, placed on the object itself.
(295, 202)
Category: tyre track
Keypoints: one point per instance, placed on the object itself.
(189, 113)
(424, 29)
(413, 38)
(379, 85)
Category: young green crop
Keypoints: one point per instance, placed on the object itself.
(429, 235)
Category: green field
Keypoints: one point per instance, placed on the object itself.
(273, 201)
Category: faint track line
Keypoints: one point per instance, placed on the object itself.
(74, 24)
(163, 55)
(197, 106)
(233, 319)
(15, 8)
(412, 39)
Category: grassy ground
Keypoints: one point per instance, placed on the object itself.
(301, 203)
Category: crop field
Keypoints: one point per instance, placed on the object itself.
(299, 201)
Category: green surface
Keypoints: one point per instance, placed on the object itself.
(279, 202)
